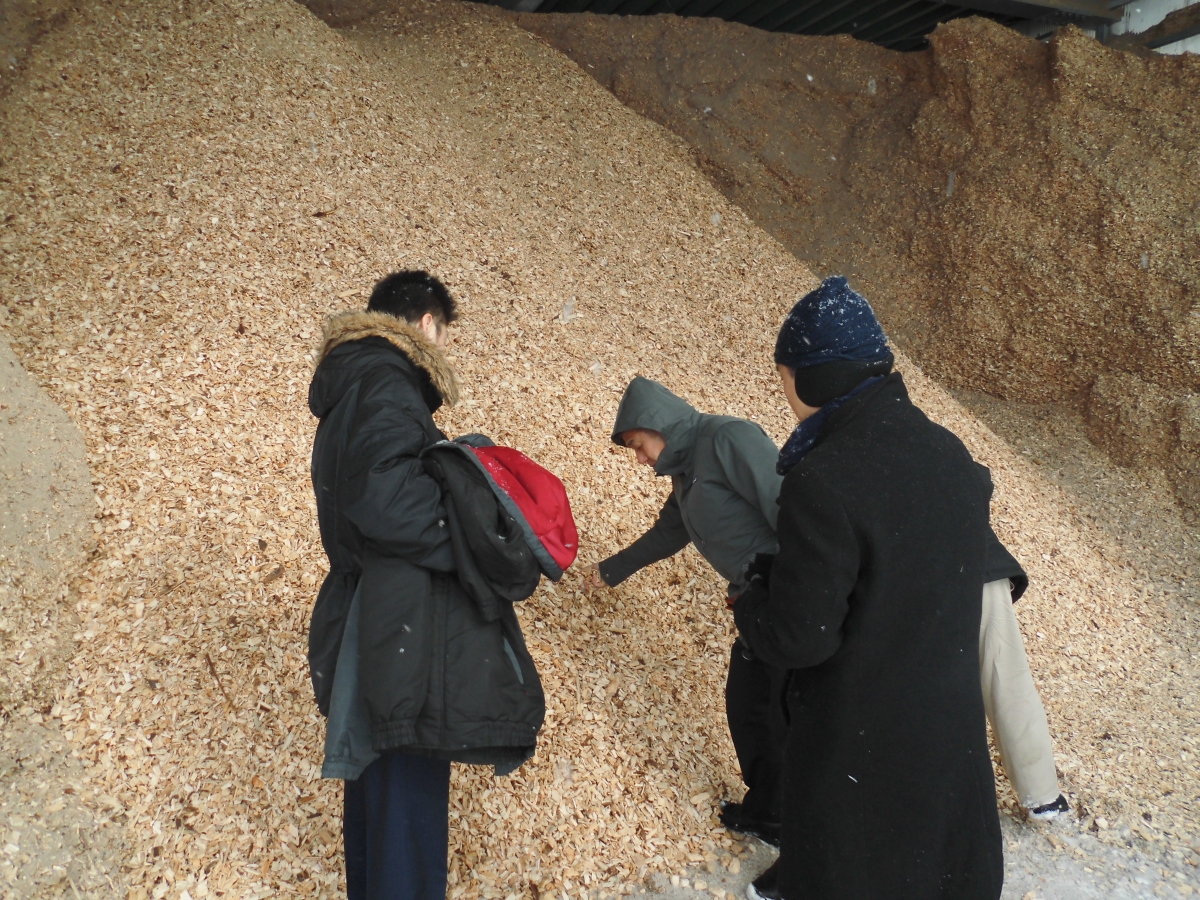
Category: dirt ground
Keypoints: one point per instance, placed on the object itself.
(60, 838)
(1025, 214)
(189, 191)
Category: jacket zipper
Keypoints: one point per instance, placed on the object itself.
(440, 598)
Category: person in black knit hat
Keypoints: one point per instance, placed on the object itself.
(833, 346)
(873, 606)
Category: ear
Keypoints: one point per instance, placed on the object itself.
(427, 325)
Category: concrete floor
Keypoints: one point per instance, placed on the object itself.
(1053, 861)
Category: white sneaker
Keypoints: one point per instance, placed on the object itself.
(766, 885)
(1051, 810)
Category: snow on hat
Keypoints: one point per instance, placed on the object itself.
(831, 324)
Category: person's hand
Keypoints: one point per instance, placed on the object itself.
(592, 580)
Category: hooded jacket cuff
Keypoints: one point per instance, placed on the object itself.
(614, 570)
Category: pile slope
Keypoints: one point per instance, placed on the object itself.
(190, 190)
(45, 527)
(1026, 214)
(22, 24)
(46, 508)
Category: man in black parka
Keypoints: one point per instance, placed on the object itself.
(435, 680)
(873, 604)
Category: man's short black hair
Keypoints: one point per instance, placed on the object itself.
(410, 294)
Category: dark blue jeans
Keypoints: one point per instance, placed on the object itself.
(395, 829)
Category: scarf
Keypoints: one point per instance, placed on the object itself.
(805, 437)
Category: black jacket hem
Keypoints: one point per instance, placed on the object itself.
(484, 735)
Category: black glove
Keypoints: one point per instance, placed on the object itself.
(759, 569)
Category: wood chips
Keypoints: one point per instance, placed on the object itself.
(1021, 213)
(188, 190)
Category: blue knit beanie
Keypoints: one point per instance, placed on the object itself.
(831, 324)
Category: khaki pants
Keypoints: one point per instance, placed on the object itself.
(1011, 701)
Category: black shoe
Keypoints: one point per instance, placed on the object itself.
(1051, 810)
(766, 885)
(734, 817)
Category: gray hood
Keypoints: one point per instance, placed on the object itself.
(648, 405)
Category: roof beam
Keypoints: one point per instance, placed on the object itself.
(821, 15)
(886, 11)
(1177, 26)
(730, 10)
(754, 14)
(887, 27)
(565, 6)
(859, 18)
(1035, 9)
(634, 7)
(878, 20)
(777, 20)
(917, 30)
(698, 8)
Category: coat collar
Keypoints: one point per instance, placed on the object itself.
(356, 325)
(891, 388)
(834, 415)
(810, 431)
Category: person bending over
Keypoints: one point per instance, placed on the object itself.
(873, 605)
(724, 489)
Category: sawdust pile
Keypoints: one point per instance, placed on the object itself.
(190, 189)
(46, 510)
(1026, 214)
(22, 24)
(45, 525)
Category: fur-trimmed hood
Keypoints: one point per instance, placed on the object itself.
(356, 325)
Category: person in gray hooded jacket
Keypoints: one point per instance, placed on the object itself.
(724, 492)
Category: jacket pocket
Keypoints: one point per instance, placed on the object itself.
(493, 694)
(530, 679)
(396, 641)
(512, 658)
(697, 504)
(325, 630)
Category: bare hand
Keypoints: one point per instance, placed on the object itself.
(591, 579)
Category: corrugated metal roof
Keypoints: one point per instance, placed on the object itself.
(897, 24)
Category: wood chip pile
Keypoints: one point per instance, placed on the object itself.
(1012, 206)
(45, 524)
(190, 190)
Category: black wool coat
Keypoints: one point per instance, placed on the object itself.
(874, 604)
(438, 677)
